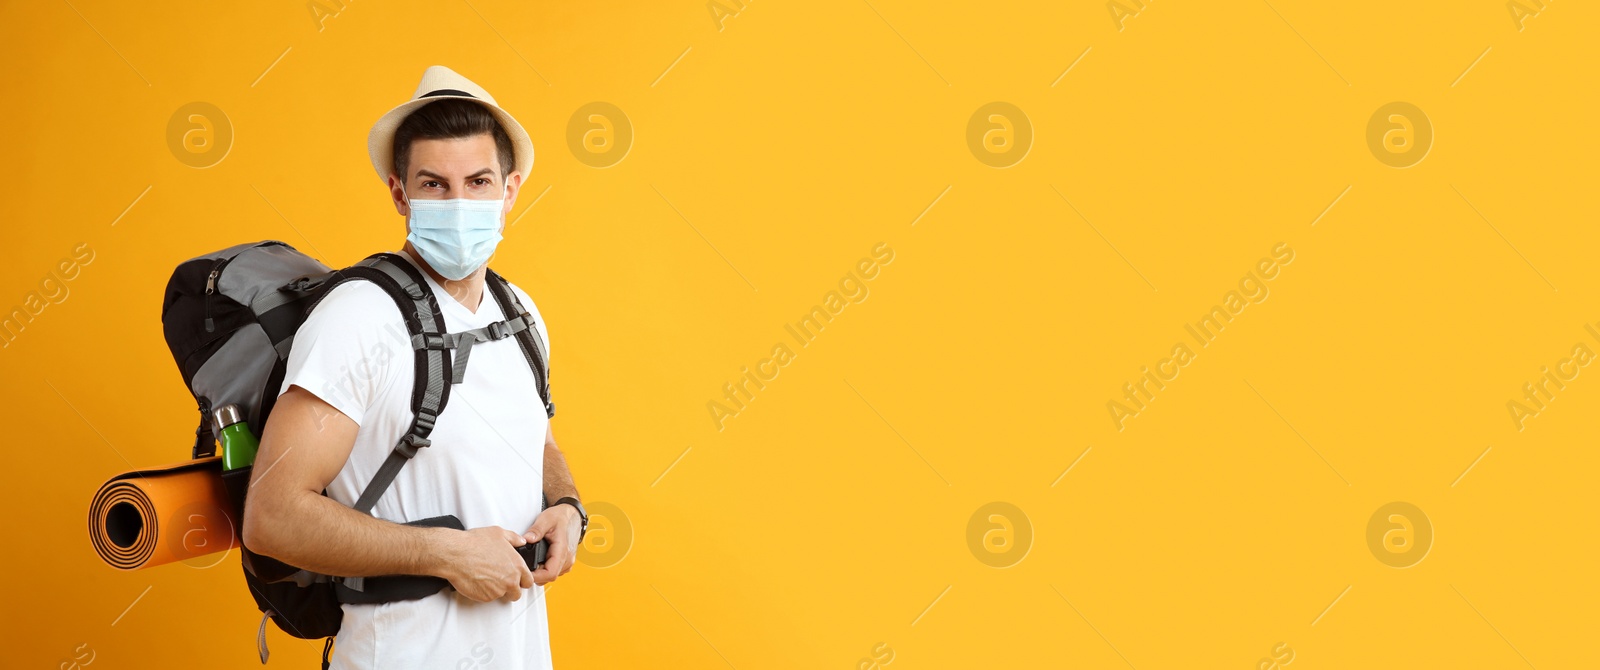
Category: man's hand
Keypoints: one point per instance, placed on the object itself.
(483, 563)
(562, 525)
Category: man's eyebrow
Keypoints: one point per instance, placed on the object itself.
(475, 175)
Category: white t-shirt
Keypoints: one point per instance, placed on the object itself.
(485, 466)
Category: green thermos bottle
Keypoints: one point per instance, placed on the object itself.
(238, 443)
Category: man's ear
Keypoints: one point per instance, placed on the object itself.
(398, 195)
(513, 187)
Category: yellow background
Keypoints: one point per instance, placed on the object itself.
(829, 519)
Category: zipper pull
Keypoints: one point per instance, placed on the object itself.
(211, 287)
(261, 637)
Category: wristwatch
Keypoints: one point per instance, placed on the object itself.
(583, 515)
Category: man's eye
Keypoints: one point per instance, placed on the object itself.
(483, 182)
(430, 184)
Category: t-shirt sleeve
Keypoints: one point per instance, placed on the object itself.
(345, 352)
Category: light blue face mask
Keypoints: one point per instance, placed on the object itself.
(455, 236)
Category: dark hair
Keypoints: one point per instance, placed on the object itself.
(451, 118)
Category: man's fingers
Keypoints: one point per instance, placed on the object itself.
(564, 551)
(541, 527)
(515, 585)
(527, 578)
(515, 539)
(544, 575)
(560, 557)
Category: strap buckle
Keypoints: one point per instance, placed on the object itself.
(410, 444)
(429, 341)
(424, 422)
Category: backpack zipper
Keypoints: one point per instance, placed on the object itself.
(211, 287)
(216, 270)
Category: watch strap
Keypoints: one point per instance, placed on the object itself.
(583, 515)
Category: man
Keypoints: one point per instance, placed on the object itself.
(453, 162)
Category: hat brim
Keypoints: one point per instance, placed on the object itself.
(380, 140)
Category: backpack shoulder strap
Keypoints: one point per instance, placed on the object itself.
(532, 344)
(431, 389)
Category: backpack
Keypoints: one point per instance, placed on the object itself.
(230, 318)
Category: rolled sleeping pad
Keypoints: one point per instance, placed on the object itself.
(145, 518)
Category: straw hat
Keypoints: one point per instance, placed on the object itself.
(438, 83)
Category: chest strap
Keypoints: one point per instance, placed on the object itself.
(462, 342)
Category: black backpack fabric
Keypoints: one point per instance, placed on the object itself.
(230, 318)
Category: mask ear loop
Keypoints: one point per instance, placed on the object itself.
(409, 211)
(505, 189)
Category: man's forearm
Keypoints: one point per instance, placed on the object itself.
(317, 533)
(557, 478)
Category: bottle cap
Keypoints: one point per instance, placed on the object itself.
(225, 416)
